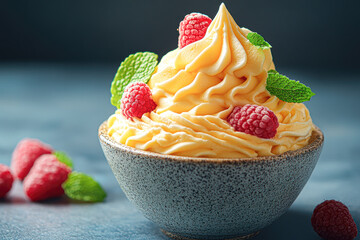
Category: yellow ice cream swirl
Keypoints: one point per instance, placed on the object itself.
(196, 88)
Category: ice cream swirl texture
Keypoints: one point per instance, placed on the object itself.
(196, 88)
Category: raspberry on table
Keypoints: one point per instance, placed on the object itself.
(25, 154)
(333, 221)
(137, 100)
(45, 178)
(6, 180)
(193, 28)
(256, 120)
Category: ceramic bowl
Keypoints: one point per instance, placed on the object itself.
(211, 198)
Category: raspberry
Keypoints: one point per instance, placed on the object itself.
(193, 28)
(137, 100)
(25, 154)
(255, 120)
(332, 221)
(6, 180)
(45, 178)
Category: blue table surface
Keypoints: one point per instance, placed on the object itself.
(64, 104)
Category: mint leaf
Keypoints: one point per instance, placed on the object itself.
(287, 90)
(136, 67)
(64, 158)
(257, 40)
(82, 187)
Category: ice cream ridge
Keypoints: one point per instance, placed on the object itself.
(216, 96)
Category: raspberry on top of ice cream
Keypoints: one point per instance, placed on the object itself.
(255, 120)
(136, 100)
(193, 28)
(197, 87)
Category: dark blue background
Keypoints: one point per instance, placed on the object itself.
(57, 61)
(308, 33)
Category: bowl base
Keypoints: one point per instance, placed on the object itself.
(178, 237)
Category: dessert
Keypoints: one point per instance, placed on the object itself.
(196, 88)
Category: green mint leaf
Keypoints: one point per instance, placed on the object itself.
(82, 187)
(136, 67)
(257, 40)
(64, 158)
(287, 90)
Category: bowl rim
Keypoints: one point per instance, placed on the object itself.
(316, 141)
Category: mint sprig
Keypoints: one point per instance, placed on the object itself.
(286, 89)
(257, 40)
(82, 187)
(136, 67)
(64, 158)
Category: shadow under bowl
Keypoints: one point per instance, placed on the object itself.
(211, 198)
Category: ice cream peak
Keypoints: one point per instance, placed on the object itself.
(223, 60)
(197, 87)
(224, 49)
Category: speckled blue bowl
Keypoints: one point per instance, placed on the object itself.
(207, 198)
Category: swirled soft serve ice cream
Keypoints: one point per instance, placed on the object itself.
(193, 102)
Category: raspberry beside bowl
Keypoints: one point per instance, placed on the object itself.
(210, 198)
